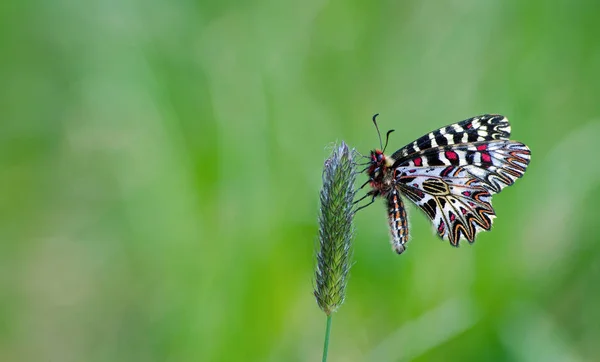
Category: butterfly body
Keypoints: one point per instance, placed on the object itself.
(383, 183)
(451, 174)
(380, 177)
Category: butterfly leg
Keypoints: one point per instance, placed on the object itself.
(372, 193)
(365, 184)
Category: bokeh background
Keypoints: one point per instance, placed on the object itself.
(161, 164)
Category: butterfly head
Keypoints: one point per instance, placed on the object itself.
(378, 165)
(379, 162)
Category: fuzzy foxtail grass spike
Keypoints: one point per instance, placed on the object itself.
(335, 233)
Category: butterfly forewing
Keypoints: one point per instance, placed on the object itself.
(496, 163)
(482, 128)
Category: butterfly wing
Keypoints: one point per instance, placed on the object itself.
(456, 202)
(487, 127)
(496, 164)
(454, 185)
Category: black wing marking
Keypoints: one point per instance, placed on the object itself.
(487, 127)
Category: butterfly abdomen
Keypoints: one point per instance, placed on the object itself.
(398, 221)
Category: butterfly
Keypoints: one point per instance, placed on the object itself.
(450, 173)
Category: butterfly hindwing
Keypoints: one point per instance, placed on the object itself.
(454, 184)
(456, 202)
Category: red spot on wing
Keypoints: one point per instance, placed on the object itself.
(468, 125)
(452, 217)
(463, 210)
(451, 155)
(441, 228)
(418, 161)
(485, 157)
(412, 171)
(482, 147)
(466, 193)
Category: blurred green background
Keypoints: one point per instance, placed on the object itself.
(161, 164)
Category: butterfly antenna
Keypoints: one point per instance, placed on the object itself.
(387, 138)
(377, 128)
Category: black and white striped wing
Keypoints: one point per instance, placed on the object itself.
(454, 184)
(496, 164)
(487, 127)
